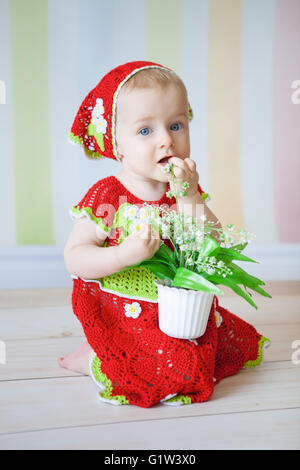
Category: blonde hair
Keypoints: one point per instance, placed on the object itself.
(152, 77)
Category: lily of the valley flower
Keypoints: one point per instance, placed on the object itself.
(168, 167)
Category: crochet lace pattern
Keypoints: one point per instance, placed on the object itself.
(135, 362)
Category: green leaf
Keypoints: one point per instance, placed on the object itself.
(234, 255)
(159, 268)
(261, 291)
(239, 247)
(164, 253)
(243, 275)
(240, 292)
(190, 280)
(232, 285)
(209, 246)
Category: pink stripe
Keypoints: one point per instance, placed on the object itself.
(286, 131)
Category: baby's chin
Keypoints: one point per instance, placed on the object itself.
(162, 176)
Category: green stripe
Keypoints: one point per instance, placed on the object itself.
(163, 32)
(31, 133)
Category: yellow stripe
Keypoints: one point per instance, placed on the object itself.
(32, 166)
(163, 32)
(224, 58)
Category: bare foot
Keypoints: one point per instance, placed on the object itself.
(78, 361)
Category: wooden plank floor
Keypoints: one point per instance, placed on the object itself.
(45, 407)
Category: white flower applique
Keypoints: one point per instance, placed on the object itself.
(140, 216)
(133, 310)
(147, 214)
(219, 319)
(131, 211)
(98, 124)
(136, 226)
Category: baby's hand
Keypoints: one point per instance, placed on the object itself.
(139, 246)
(185, 171)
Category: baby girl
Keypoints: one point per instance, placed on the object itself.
(139, 114)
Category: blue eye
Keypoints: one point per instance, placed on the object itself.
(176, 124)
(145, 129)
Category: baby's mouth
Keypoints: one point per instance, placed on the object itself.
(165, 160)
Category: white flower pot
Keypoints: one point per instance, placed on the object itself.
(183, 313)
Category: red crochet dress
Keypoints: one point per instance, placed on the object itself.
(134, 360)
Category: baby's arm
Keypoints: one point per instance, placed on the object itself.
(86, 257)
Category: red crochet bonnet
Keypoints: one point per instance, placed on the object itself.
(94, 124)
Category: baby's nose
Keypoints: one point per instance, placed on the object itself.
(166, 139)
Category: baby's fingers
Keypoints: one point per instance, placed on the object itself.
(156, 236)
(191, 164)
(146, 231)
(143, 232)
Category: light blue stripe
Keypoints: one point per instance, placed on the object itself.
(130, 24)
(7, 195)
(256, 118)
(63, 90)
(95, 57)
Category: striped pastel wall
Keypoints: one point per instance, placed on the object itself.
(238, 59)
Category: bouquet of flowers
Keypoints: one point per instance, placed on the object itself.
(199, 261)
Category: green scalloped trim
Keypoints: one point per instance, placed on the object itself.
(89, 153)
(77, 211)
(263, 340)
(184, 399)
(74, 138)
(102, 379)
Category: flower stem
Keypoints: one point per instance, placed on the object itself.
(181, 216)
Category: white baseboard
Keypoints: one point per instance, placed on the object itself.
(33, 267)
(277, 262)
(30, 267)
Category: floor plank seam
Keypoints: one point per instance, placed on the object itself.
(43, 338)
(282, 364)
(27, 379)
(147, 420)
